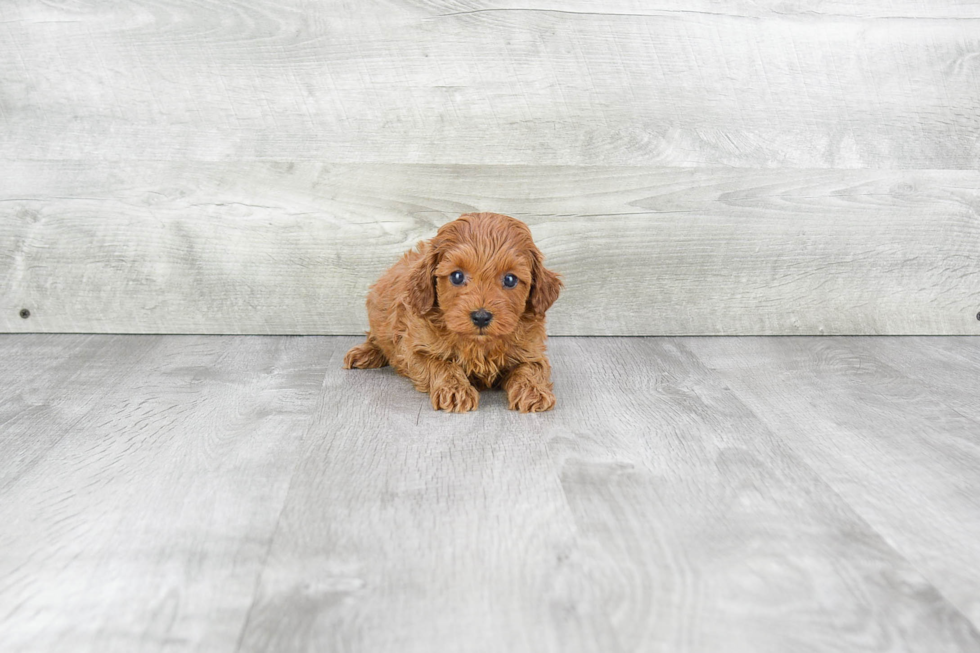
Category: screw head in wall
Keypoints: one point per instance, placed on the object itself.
(24, 313)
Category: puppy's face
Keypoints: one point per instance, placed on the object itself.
(484, 274)
(482, 291)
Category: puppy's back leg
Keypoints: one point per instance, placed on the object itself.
(365, 356)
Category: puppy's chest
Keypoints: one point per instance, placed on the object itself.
(485, 367)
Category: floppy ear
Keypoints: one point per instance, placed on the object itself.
(545, 285)
(422, 281)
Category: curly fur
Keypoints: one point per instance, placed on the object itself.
(420, 322)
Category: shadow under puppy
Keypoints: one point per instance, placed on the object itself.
(466, 311)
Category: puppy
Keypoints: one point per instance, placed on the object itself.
(466, 311)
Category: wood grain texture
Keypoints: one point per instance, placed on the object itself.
(55, 381)
(890, 426)
(246, 494)
(733, 167)
(264, 247)
(145, 524)
(947, 367)
(735, 83)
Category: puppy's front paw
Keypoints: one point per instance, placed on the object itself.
(364, 356)
(455, 398)
(530, 398)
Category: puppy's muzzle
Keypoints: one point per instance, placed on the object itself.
(481, 318)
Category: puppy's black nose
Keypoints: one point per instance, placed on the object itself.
(481, 318)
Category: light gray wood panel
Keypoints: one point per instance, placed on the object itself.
(964, 348)
(146, 527)
(267, 247)
(238, 494)
(650, 511)
(890, 444)
(948, 367)
(55, 381)
(734, 83)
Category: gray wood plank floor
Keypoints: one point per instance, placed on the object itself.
(208, 493)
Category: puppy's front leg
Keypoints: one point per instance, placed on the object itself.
(529, 386)
(447, 385)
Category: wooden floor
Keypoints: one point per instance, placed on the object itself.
(207, 493)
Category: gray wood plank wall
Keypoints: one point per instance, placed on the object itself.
(698, 167)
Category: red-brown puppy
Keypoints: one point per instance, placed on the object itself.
(466, 311)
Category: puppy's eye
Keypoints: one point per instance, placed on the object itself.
(510, 280)
(457, 278)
